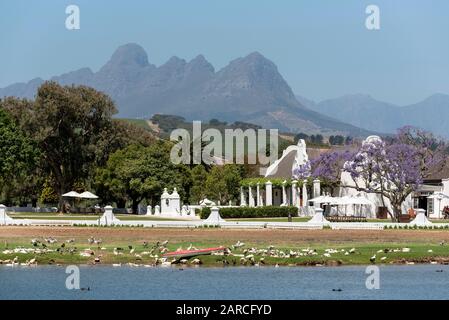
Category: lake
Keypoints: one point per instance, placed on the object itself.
(107, 282)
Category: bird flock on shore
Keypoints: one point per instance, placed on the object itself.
(152, 254)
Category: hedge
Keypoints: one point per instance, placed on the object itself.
(253, 212)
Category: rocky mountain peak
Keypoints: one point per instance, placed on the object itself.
(130, 54)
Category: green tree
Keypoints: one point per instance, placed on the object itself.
(137, 173)
(198, 190)
(223, 182)
(18, 155)
(74, 130)
(336, 140)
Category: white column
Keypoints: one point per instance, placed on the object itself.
(251, 197)
(157, 210)
(149, 211)
(295, 193)
(4, 218)
(316, 188)
(268, 193)
(242, 197)
(305, 197)
(284, 194)
(258, 195)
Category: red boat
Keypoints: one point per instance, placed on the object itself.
(191, 253)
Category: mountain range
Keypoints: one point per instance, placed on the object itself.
(248, 89)
(431, 114)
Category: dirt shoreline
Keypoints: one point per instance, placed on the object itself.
(288, 237)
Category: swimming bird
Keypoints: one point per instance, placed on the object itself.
(196, 261)
(337, 290)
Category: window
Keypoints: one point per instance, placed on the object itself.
(430, 207)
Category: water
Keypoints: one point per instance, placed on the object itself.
(396, 282)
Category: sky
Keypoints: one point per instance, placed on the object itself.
(321, 47)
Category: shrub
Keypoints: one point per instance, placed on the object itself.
(253, 212)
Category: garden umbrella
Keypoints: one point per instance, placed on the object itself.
(71, 194)
(87, 195)
(323, 199)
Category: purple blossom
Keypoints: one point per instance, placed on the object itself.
(303, 171)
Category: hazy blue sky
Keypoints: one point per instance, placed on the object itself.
(322, 48)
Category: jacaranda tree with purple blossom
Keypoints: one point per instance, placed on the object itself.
(328, 166)
(397, 168)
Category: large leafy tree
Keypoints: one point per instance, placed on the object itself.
(74, 130)
(137, 173)
(198, 190)
(18, 154)
(223, 182)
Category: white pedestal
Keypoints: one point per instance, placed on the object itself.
(4, 218)
(318, 217)
(421, 219)
(108, 217)
(149, 211)
(214, 217)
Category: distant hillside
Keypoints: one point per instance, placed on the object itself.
(360, 110)
(249, 89)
